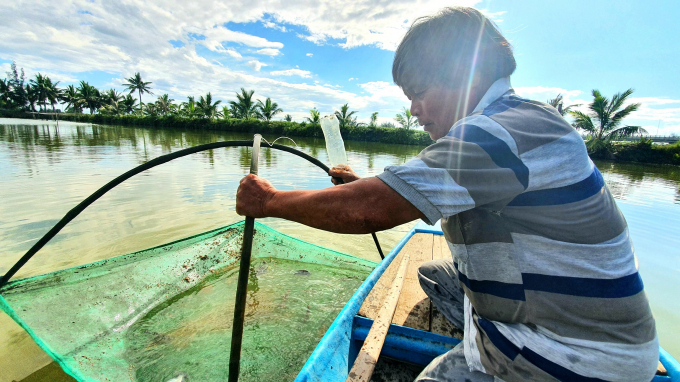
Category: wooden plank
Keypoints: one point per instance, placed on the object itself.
(440, 250)
(363, 367)
(376, 296)
(439, 323)
(419, 247)
(413, 309)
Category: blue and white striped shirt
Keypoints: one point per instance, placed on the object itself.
(541, 249)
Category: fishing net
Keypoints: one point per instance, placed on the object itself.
(164, 314)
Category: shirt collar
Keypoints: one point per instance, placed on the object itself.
(497, 89)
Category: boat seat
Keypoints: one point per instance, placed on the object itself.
(414, 308)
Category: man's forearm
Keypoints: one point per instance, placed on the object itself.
(364, 206)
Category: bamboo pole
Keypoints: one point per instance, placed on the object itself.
(242, 286)
(363, 367)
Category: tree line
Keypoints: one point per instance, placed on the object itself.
(16, 93)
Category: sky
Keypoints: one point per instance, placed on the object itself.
(305, 54)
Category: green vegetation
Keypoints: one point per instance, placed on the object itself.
(603, 122)
(18, 98)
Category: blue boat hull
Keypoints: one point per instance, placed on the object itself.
(335, 354)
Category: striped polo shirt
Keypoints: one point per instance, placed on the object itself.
(542, 251)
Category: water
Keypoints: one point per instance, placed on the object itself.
(45, 171)
(281, 294)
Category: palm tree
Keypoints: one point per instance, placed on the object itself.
(374, 119)
(558, 103)
(315, 116)
(89, 96)
(207, 107)
(135, 83)
(288, 118)
(345, 116)
(5, 93)
(406, 120)
(38, 84)
(32, 96)
(128, 104)
(226, 112)
(52, 92)
(164, 104)
(71, 98)
(188, 108)
(267, 110)
(244, 107)
(605, 117)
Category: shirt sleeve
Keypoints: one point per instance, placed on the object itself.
(470, 167)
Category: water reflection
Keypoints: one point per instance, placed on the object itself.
(45, 170)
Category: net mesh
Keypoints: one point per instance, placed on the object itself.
(164, 314)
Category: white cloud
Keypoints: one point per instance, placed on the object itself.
(271, 25)
(269, 52)
(352, 79)
(233, 53)
(292, 72)
(309, 54)
(255, 65)
(214, 37)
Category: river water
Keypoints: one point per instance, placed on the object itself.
(47, 169)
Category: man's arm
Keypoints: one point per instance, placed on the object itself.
(363, 206)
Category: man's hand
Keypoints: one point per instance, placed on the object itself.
(343, 172)
(252, 196)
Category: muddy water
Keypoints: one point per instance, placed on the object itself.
(45, 171)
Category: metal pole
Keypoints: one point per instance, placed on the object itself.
(242, 287)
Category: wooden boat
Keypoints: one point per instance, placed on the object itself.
(418, 332)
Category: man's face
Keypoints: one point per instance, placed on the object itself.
(438, 108)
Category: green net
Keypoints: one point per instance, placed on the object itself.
(164, 314)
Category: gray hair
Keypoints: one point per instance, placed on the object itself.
(449, 48)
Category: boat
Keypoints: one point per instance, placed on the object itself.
(164, 313)
(417, 332)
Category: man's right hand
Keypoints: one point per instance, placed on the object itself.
(343, 172)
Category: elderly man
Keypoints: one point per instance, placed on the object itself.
(543, 277)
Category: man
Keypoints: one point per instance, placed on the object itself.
(543, 276)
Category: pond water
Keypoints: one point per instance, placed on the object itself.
(45, 170)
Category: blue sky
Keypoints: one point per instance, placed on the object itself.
(323, 54)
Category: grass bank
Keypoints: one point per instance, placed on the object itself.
(638, 152)
(642, 151)
(251, 126)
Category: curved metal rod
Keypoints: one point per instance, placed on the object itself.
(129, 174)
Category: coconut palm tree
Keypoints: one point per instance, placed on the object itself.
(226, 112)
(164, 104)
(267, 110)
(128, 104)
(374, 119)
(71, 98)
(188, 108)
(32, 96)
(558, 103)
(207, 108)
(244, 107)
(39, 87)
(5, 93)
(89, 96)
(315, 116)
(604, 120)
(345, 116)
(406, 120)
(135, 83)
(52, 92)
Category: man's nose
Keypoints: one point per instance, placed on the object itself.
(415, 108)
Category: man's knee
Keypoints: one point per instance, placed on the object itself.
(435, 270)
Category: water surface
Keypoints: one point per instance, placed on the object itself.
(45, 171)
